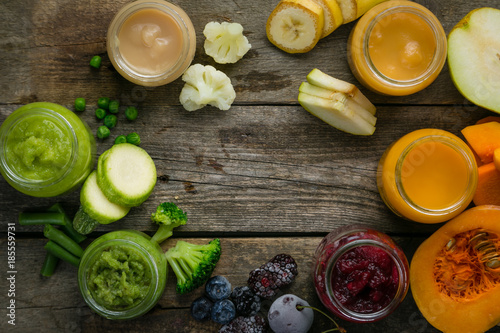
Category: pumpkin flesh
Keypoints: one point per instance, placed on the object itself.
(450, 275)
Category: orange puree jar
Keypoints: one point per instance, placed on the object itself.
(427, 176)
(397, 48)
(151, 42)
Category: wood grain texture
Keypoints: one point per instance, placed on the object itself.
(266, 176)
(57, 306)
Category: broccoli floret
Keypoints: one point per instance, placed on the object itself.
(193, 264)
(168, 216)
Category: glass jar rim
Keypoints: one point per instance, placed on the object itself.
(10, 124)
(458, 147)
(144, 305)
(123, 14)
(403, 284)
(439, 37)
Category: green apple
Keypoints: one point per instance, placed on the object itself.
(474, 57)
(336, 114)
(323, 80)
(340, 99)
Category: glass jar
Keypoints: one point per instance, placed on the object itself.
(427, 52)
(360, 274)
(101, 281)
(427, 176)
(167, 42)
(45, 150)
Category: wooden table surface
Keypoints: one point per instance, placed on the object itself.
(266, 176)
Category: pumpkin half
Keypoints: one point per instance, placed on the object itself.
(455, 273)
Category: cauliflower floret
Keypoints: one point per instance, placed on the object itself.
(225, 42)
(206, 85)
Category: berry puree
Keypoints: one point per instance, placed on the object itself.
(365, 279)
(360, 274)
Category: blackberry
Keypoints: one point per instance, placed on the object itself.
(254, 324)
(276, 273)
(201, 308)
(246, 302)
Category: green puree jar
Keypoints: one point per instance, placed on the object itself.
(122, 274)
(45, 150)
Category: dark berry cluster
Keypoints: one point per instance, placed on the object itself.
(278, 272)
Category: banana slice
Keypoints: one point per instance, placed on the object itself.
(295, 26)
(332, 16)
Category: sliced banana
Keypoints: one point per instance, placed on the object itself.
(295, 26)
(332, 16)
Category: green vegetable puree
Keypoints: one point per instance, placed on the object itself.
(39, 148)
(119, 278)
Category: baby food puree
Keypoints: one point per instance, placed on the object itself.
(46, 150)
(428, 176)
(397, 48)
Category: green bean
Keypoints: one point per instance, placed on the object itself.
(61, 253)
(67, 227)
(28, 218)
(63, 240)
(49, 264)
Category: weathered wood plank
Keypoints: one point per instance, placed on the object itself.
(260, 168)
(56, 304)
(47, 49)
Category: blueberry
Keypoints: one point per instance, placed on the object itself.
(223, 311)
(201, 308)
(217, 288)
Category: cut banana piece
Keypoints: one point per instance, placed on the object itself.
(295, 26)
(332, 16)
(349, 9)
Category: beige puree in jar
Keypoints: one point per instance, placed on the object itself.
(150, 41)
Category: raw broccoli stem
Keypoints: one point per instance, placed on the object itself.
(61, 253)
(63, 240)
(179, 273)
(49, 264)
(67, 227)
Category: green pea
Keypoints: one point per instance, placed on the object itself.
(110, 121)
(103, 132)
(100, 113)
(120, 139)
(134, 139)
(80, 104)
(103, 103)
(114, 106)
(95, 61)
(131, 113)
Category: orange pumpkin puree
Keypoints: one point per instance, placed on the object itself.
(402, 46)
(434, 175)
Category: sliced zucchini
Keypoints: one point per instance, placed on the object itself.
(95, 207)
(126, 174)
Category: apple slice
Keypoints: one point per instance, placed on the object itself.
(474, 57)
(320, 79)
(336, 114)
(336, 96)
(295, 26)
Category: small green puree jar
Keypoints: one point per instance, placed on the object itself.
(45, 150)
(122, 274)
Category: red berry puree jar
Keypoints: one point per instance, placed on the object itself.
(360, 274)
